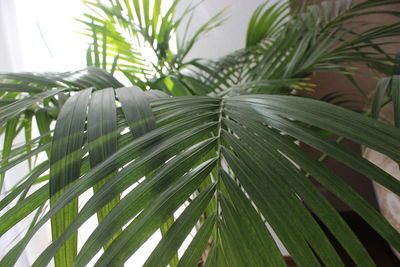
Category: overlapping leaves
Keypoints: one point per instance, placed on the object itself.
(231, 162)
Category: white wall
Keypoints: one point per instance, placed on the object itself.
(228, 38)
(49, 38)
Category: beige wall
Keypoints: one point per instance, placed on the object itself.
(329, 82)
(332, 82)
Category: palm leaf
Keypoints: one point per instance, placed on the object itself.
(211, 150)
(229, 160)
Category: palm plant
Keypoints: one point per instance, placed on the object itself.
(230, 158)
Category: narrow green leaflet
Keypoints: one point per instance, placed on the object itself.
(199, 243)
(177, 233)
(102, 126)
(41, 168)
(43, 121)
(396, 99)
(27, 124)
(163, 230)
(13, 87)
(65, 162)
(237, 250)
(252, 225)
(24, 208)
(26, 156)
(9, 135)
(380, 91)
(102, 135)
(136, 109)
(9, 111)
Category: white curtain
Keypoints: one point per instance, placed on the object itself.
(10, 60)
(10, 50)
(38, 35)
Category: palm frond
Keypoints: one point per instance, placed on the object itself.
(230, 158)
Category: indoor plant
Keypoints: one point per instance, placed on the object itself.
(232, 158)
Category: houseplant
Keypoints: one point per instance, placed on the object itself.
(229, 156)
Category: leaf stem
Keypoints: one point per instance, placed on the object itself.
(218, 167)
